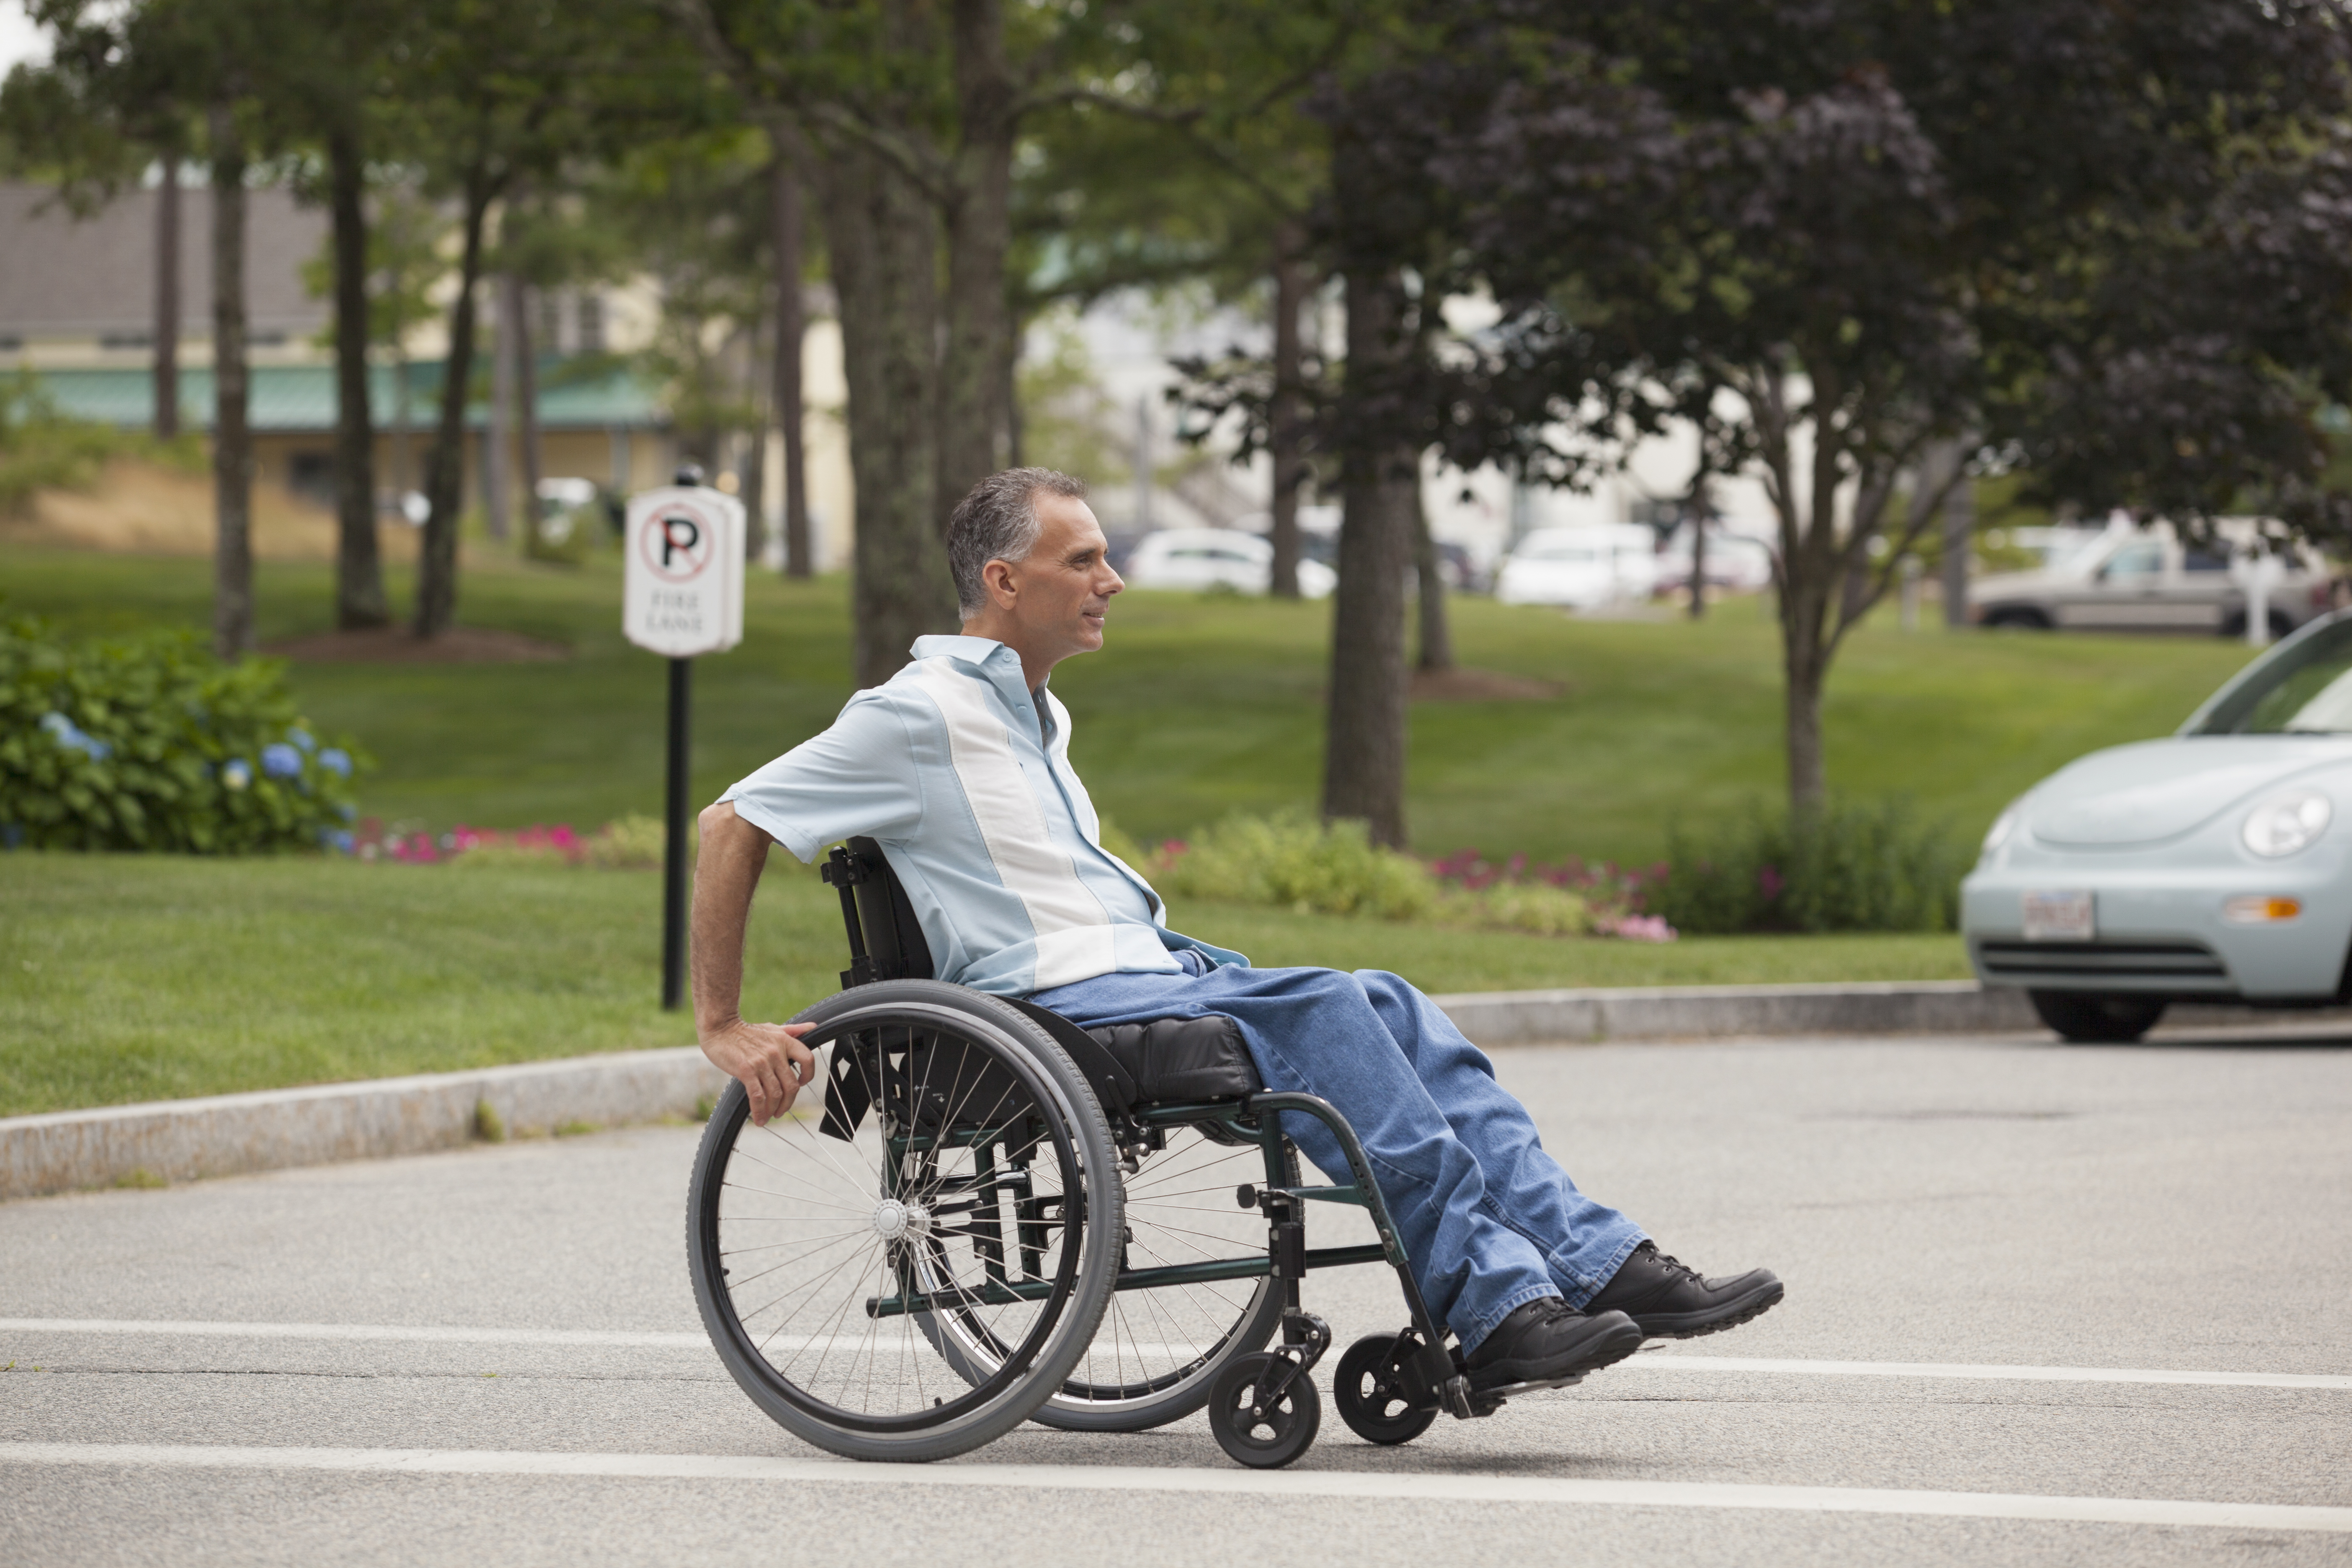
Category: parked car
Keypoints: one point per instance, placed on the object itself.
(1206, 558)
(1580, 568)
(1575, 568)
(1735, 561)
(2144, 581)
(2213, 865)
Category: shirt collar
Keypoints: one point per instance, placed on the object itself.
(970, 650)
(992, 662)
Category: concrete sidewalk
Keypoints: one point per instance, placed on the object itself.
(218, 1135)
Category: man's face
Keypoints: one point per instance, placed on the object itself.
(1062, 592)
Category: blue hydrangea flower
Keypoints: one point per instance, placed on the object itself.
(236, 773)
(336, 760)
(301, 738)
(70, 735)
(282, 761)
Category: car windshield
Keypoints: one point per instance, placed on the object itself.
(2305, 690)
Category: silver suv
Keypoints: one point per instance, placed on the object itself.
(2145, 582)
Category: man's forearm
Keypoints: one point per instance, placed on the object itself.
(725, 874)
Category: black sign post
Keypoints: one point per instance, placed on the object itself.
(673, 866)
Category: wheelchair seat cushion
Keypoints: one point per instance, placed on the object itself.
(1182, 1059)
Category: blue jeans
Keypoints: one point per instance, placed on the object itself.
(1489, 1220)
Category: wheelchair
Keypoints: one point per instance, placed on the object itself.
(992, 1215)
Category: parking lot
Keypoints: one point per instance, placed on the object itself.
(2045, 1305)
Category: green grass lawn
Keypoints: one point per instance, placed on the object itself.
(1202, 705)
(127, 978)
(152, 977)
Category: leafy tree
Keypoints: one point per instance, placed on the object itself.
(2114, 243)
(492, 93)
(89, 126)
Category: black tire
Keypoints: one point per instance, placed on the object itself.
(1368, 1390)
(1263, 1437)
(1159, 1352)
(2233, 627)
(2097, 1020)
(2018, 619)
(1014, 1124)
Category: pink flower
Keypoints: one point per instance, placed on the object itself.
(1645, 928)
(1770, 882)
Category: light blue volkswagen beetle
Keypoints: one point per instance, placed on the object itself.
(2213, 865)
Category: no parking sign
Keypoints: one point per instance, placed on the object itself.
(683, 592)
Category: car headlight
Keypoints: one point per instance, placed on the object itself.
(1997, 833)
(2290, 823)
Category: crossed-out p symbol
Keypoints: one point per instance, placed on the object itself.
(676, 544)
(679, 536)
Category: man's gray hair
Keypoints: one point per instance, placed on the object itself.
(998, 521)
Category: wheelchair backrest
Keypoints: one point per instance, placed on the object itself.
(884, 942)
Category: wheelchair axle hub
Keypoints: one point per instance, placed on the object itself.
(895, 1221)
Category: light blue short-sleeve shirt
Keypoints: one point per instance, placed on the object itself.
(963, 776)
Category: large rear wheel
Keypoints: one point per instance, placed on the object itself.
(957, 1186)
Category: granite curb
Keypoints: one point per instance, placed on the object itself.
(230, 1134)
(219, 1135)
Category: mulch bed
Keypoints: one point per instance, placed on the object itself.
(1460, 685)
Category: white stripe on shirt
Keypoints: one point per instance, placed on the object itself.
(1073, 929)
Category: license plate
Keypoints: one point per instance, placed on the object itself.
(2058, 917)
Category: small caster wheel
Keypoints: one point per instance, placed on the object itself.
(1263, 1436)
(1369, 1387)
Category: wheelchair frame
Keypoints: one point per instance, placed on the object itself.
(1264, 1408)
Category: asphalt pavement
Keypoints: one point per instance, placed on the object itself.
(2045, 1305)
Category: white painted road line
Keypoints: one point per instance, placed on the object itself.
(1353, 1484)
(1675, 1363)
(398, 1333)
(1653, 1361)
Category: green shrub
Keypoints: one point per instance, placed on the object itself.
(1533, 906)
(1848, 866)
(1296, 862)
(150, 742)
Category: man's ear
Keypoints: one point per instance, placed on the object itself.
(997, 577)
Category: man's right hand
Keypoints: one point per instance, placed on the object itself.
(768, 1059)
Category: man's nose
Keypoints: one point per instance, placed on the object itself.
(1118, 584)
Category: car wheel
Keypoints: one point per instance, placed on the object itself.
(2097, 1020)
(2235, 626)
(2018, 619)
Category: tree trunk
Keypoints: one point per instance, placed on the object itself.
(445, 479)
(979, 234)
(755, 470)
(883, 236)
(526, 391)
(359, 573)
(1700, 512)
(1284, 433)
(1804, 663)
(404, 468)
(1364, 757)
(498, 478)
(167, 301)
(231, 437)
(792, 329)
(1959, 539)
(1436, 636)
(1016, 331)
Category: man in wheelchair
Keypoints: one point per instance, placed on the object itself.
(959, 766)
